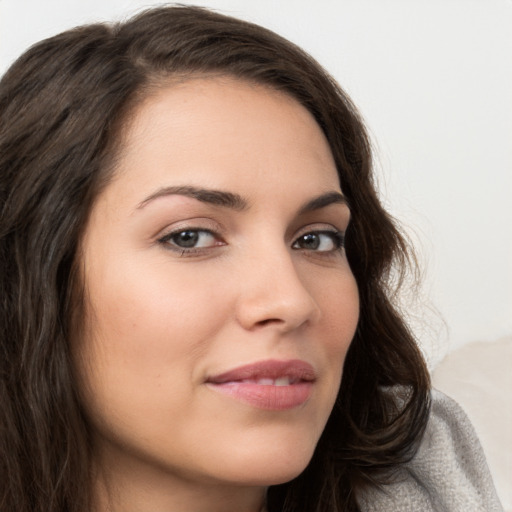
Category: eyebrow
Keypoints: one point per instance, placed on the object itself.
(235, 201)
(322, 201)
(215, 197)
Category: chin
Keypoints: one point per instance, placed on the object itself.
(270, 466)
(280, 474)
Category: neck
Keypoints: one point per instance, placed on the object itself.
(125, 490)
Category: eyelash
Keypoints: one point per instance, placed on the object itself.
(167, 241)
(337, 238)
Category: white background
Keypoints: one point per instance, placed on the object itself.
(433, 80)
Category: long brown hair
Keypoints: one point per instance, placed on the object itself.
(62, 108)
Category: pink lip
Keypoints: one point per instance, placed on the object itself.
(242, 384)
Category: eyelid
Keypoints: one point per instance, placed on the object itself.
(318, 227)
(338, 237)
(199, 224)
(169, 245)
(195, 223)
(335, 235)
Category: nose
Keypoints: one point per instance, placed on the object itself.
(273, 294)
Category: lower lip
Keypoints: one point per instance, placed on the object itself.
(271, 398)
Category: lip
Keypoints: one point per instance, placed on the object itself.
(293, 382)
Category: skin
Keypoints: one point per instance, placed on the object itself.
(160, 318)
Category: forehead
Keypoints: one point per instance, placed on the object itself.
(219, 129)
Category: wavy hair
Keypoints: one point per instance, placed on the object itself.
(63, 105)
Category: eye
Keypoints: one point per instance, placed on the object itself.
(186, 239)
(320, 241)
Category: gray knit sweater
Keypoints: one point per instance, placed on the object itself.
(448, 474)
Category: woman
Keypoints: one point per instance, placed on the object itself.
(197, 311)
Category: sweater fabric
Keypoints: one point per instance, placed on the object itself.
(449, 472)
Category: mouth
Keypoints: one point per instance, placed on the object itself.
(269, 385)
(280, 381)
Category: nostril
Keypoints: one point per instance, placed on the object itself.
(268, 321)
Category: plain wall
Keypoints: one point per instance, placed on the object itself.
(433, 80)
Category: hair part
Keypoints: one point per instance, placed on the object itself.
(63, 107)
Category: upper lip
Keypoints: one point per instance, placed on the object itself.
(269, 369)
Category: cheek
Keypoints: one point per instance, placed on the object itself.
(337, 296)
(146, 330)
(340, 316)
(153, 309)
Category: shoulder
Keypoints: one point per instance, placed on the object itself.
(449, 472)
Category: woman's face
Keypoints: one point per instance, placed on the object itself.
(220, 303)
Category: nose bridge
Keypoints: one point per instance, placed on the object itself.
(272, 291)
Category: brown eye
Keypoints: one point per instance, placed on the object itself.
(190, 239)
(321, 241)
(185, 239)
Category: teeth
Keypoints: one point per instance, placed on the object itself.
(265, 382)
(282, 381)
